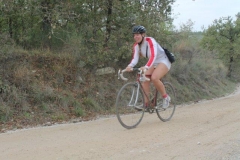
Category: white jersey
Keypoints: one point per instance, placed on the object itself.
(151, 50)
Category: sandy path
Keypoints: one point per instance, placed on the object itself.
(207, 130)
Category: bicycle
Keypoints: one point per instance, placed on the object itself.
(131, 96)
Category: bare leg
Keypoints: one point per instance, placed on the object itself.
(146, 85)
(159, 72)
(146, 88)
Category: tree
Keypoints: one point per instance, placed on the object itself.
(100, 28)
(223, 36)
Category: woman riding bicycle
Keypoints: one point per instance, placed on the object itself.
(157, 66)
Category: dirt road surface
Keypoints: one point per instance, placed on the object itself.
(206, 130)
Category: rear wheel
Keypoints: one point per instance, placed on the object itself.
(129, 96)
(166, 114)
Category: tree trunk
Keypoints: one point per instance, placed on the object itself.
(230, 67)
(10, 27)
(46, 23)
(108, 22)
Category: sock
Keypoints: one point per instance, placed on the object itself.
(165, 96)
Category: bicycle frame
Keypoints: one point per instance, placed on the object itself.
(140, 75)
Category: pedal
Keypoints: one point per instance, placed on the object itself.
(149, 110)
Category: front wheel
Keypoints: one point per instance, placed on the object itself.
(129, 96)
(166, 114)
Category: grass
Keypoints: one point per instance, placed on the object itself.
(38, 88)
(5, 113)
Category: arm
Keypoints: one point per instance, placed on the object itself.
(153, 51)
(135, 57)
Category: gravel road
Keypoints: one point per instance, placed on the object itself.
(205, 130)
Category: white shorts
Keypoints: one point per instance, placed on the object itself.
(163, 60)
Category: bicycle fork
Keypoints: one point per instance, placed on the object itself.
(134, 97)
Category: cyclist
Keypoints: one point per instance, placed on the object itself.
(157, 66)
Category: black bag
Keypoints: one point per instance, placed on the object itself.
(169, 55)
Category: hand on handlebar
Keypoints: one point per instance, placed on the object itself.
(144, 69)
(128, 69)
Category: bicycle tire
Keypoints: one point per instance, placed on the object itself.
(128, 116)
(166, 114)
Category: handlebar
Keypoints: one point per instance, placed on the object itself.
(141, 72)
